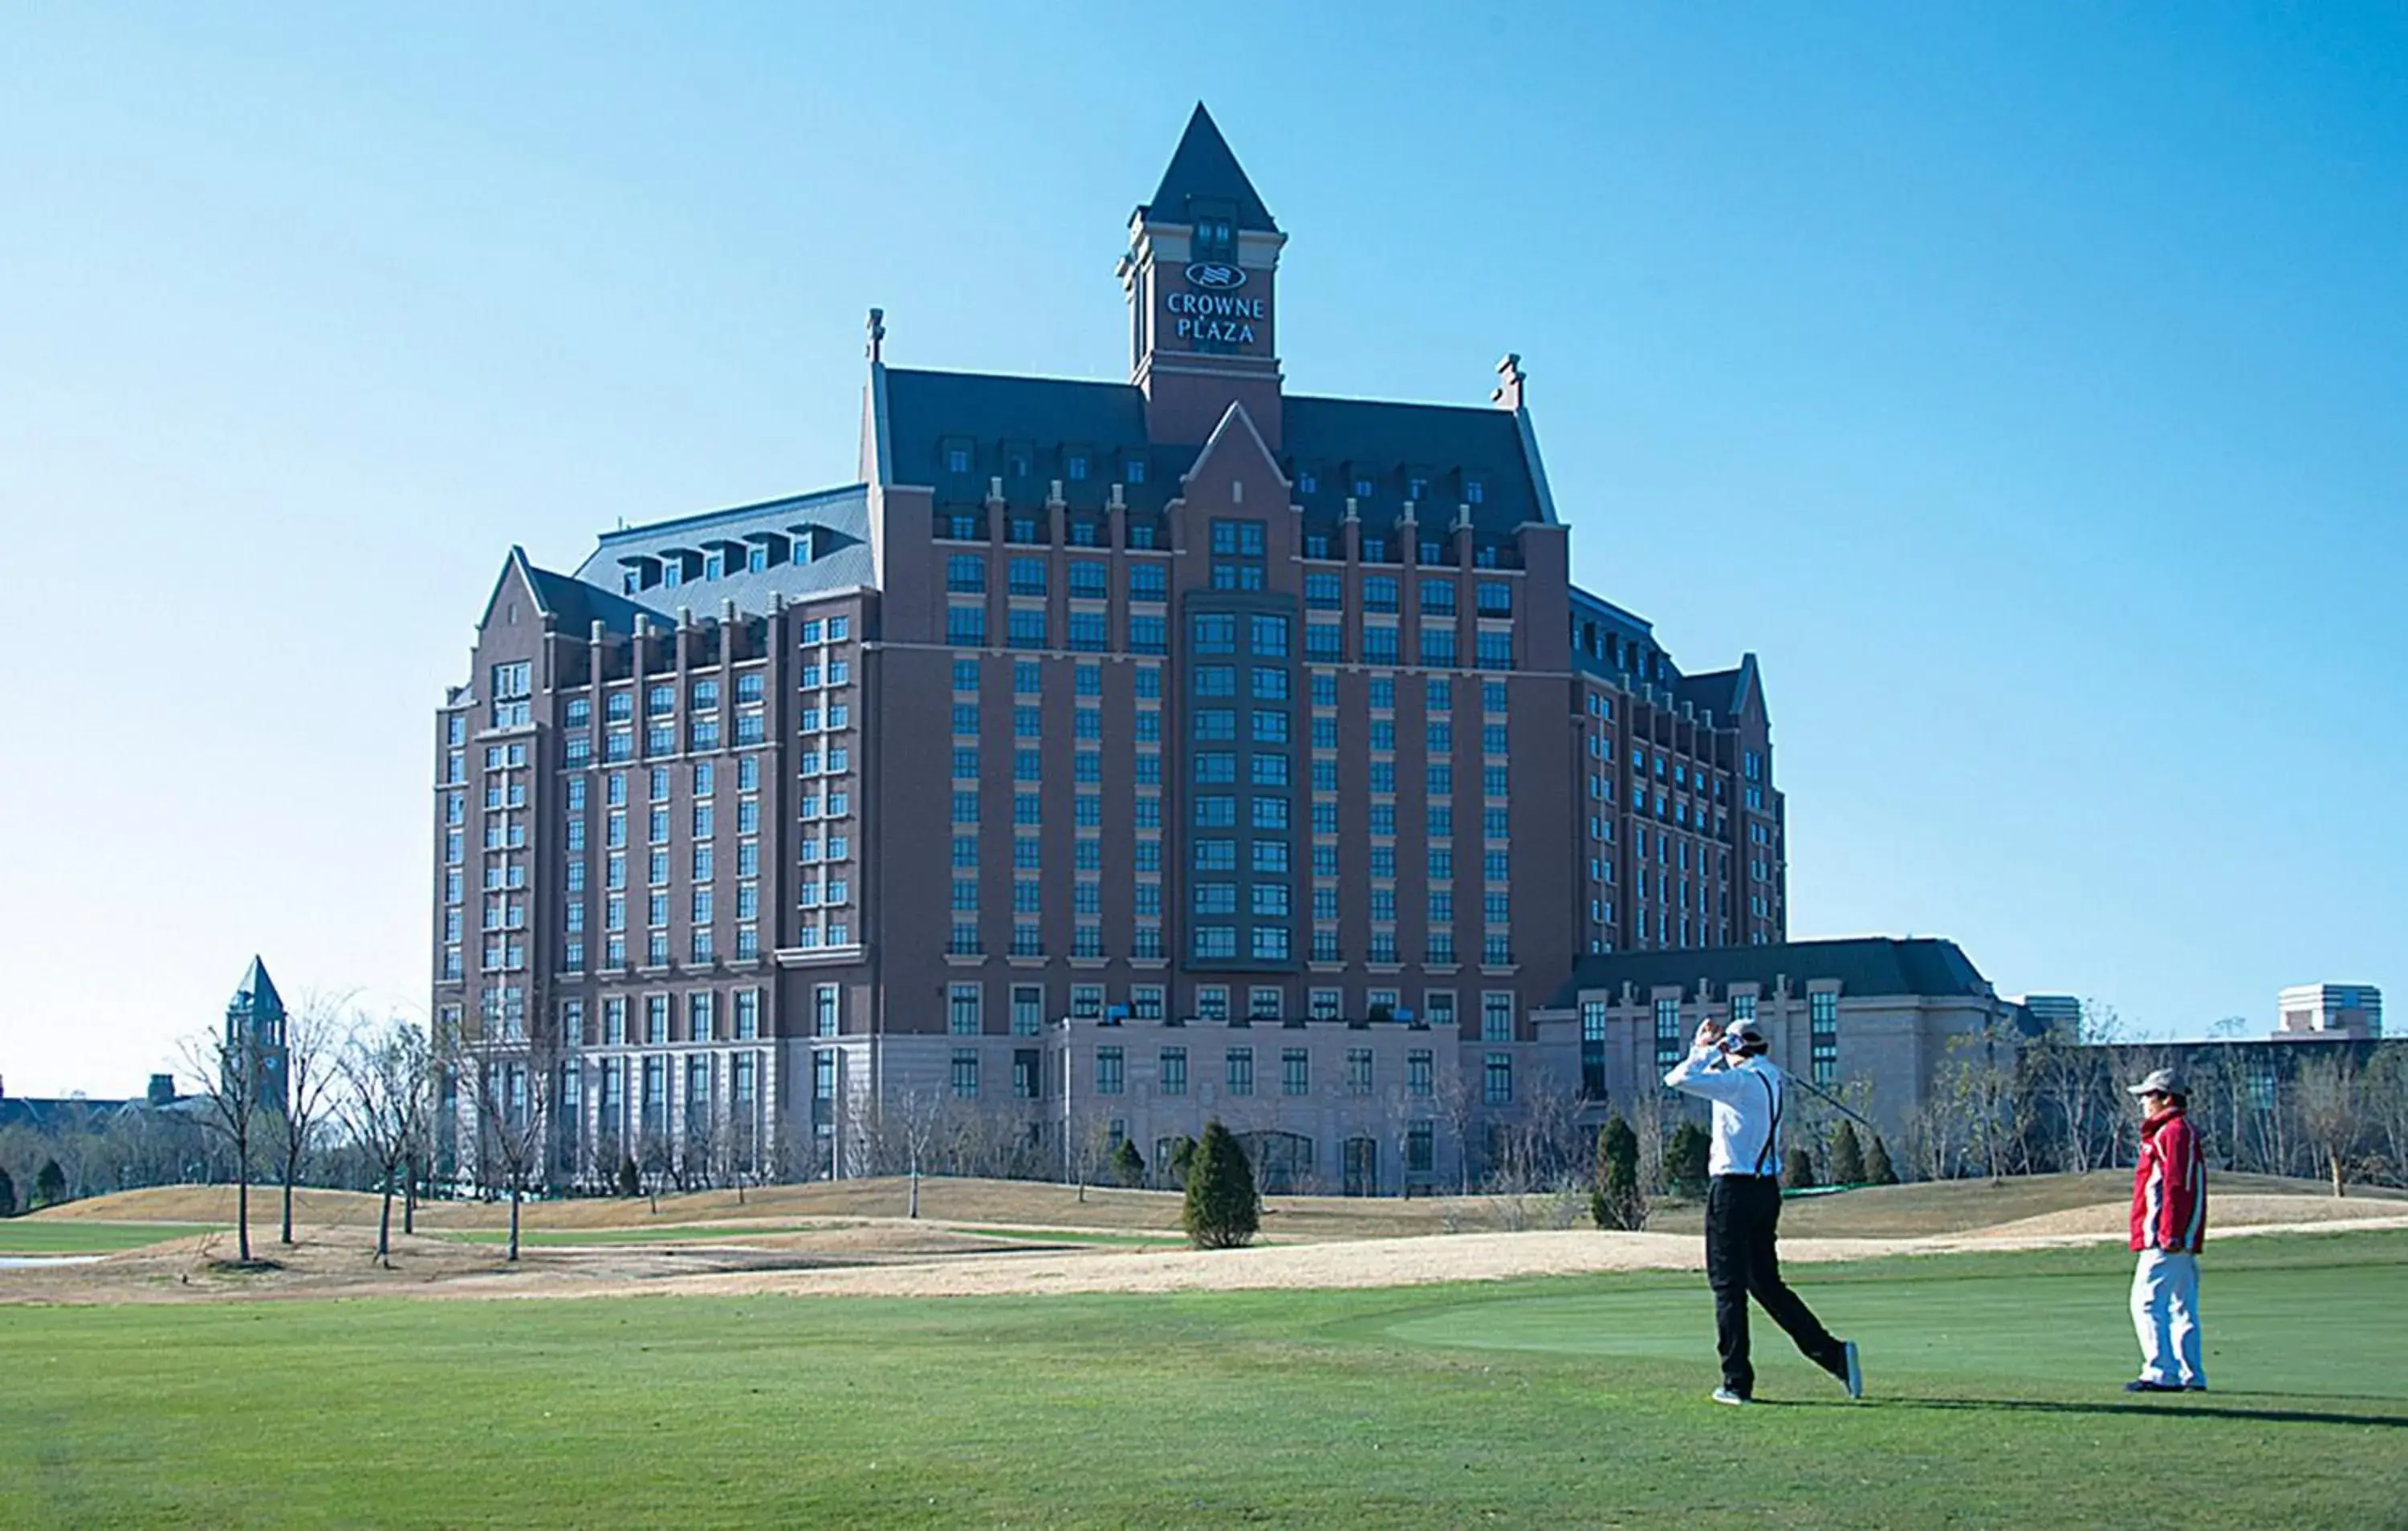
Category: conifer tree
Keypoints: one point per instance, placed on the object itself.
(1220, 1211)
(1797, 1169)
(1128, 1165)
(1847, 1156)
(1685, 1158)
(1618, 1201)
(8, 1196)
(1878, 1170)
(50, 1184)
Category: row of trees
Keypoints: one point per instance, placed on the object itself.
(2335, 1110)
(356, 1110)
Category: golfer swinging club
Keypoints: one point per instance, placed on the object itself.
(1743, 1205)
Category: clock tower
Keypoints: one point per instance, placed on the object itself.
(1200, 274)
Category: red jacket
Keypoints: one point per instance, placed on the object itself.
(2170, 1186)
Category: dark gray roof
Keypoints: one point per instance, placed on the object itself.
(838, 558)
(1027, 431)
(1875, 965)
(1448, 444)
(1723, 692)
(256, 995)
(1203, 168)
(579, 606)
(47, 1115)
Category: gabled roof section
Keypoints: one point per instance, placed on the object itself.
(1202, 168)
(1928, 967)
(576, 605)
(256, 995)
(1727, 693)
(1236, 434)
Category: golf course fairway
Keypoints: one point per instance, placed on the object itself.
(1994, 1400)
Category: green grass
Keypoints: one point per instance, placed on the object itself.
(23, 1236)
(1558, 1402)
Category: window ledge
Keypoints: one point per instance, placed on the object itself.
(817, 956)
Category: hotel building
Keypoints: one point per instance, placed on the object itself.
(1110, 756)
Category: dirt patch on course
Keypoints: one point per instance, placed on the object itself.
(869, 1257)
(2245, 1210)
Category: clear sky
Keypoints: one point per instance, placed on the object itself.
(2025, 384)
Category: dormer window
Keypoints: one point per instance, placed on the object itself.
(714, 566)
(1137, 470)
(1474, 490)
(756, 557)
(1018, 465)
(1362, 489)
(1308, 482)
(957, 459)
(672, 571)
(1077, 469)
(1417, 490)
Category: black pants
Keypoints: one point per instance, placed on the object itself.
(1742, 1215)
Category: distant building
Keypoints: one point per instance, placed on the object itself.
(255, 1032)
(1874, 1012)
(2330, 1010)
(79, 1113)
(2060, 1013)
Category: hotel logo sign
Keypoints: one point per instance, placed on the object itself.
(1211, 314)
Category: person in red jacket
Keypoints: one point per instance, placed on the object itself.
(2169, 1225)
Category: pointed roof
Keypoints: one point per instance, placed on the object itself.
(1236, 426)
(256, 995)
(1203, 168)
(1726, 692)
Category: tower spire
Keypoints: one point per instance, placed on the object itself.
(1203, 169)
(1202, 262)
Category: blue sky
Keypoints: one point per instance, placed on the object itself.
(2023, 384)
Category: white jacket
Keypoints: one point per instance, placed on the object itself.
(1748, 1095)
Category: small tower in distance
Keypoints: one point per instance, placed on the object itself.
(255, 1033)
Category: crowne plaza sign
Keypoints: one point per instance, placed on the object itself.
(1212, 310)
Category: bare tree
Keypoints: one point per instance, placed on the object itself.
(2327, 1091)
(734, 1138)
(1457, 1100)
(313, 1039)
(516, 1080)
(388, 1072)
(910, 1122)
(224, 1066)
(1647, 1125)
(1977, 1082)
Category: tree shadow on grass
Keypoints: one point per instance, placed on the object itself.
(2197, 1411)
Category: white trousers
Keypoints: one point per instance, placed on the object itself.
(2165, 1314)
